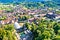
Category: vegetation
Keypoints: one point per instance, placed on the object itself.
(58, 12)
(36, 5)
(3, 18)
(30, 5)
(6, 7)
(6, 32)
(45, 30)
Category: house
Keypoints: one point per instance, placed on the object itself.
(17, 26)
(57, 16)
(1, 22)
(5, 22)
(31, 13)
(32, 19)
(50, 15)
(42, 15)
(57, 9)
(8, 20)
(12, 21)
(36, 15)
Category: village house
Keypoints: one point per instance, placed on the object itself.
(50, 15)
(31, 13)
(57, 16)
(42, 15)
(32, 19)
(4, 21)
(9, 20)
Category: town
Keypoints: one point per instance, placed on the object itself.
(27, 24)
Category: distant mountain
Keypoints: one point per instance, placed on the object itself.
(57, 2)
(17, 1)
(30, 4)
(11, 1)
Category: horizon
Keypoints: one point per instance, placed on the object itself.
(12, 1)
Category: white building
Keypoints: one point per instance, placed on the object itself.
(50, 13)
(17, 26)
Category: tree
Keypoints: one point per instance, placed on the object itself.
(45, 30)
(6, 32)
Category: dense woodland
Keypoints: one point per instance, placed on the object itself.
(45, 30)
(7, 32)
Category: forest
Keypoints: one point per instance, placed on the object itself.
(45, 29)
